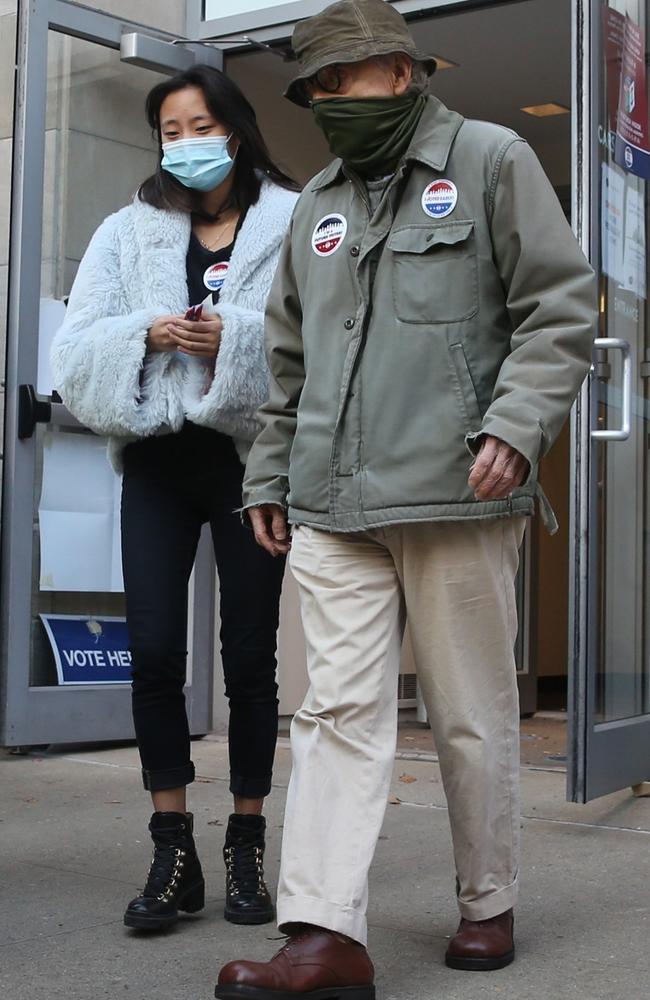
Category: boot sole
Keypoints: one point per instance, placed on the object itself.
(236, 992)
(480, 964)
(192, 900)
(234, 917)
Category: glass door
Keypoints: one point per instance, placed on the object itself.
(81, 147)
(610, 710)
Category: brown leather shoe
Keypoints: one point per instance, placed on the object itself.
(314, 964)
(481, 945)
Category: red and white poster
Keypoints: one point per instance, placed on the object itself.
(624, 43)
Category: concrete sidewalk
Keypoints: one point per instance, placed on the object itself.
(75, 847)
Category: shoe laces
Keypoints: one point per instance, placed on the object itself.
(245, 869)
(165, 871)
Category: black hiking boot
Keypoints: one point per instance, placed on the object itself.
(247, 898)
(175, 880)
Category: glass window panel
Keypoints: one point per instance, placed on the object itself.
(98, 148)
(622, 689)
(226, 8)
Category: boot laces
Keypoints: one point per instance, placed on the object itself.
(245, 870)
(165, 872)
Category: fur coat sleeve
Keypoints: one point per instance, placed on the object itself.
(98, 354)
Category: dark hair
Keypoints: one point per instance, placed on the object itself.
(228, 104)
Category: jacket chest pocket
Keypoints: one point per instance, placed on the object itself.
(435, 273)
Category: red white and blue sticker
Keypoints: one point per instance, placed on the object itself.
(329, 234)
(215, 276)
(440, 199)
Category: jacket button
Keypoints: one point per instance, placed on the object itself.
(354, 251)
(349, 324)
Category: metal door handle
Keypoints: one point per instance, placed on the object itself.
(31, 411)
(623, 433)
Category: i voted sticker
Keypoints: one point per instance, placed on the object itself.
(440, 199)
(215, 276)
(329, 234)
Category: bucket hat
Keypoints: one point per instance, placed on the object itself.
(346, 32)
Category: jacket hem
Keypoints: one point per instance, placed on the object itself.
(364, 521)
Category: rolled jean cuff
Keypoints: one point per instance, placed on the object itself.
(174, 777)
(491, 904)
(249, 788)
(323, 913)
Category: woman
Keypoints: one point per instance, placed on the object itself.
(176, 389)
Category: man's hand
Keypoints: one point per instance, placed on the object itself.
(497, 470)
(269, 522)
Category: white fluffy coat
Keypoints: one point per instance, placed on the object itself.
(134, 271)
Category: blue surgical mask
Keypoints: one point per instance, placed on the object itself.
(201, 164)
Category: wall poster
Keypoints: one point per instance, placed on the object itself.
(627, 92)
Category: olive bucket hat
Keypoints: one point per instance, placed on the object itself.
(346, 32)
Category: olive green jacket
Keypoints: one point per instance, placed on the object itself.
(391, 353)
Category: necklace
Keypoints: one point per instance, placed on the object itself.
(214, 243)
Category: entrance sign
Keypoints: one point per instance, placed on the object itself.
(89, 650)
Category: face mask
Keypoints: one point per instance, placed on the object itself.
(370, 135)
(201, 164)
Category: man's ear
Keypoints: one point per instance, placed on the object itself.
(402, 73)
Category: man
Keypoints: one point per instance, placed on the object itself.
(431, 305)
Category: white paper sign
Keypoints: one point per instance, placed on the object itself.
(52, 314)
(612, 221)
(633, 278)
(79, 516)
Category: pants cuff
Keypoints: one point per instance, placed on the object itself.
(249, 788)
(489, 905)
(175, 777)
(322, 913)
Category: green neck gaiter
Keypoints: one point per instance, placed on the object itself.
(372, 134)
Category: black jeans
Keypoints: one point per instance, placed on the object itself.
(172, 485)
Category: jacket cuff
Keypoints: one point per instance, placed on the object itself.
(527, 440)
(243, 511)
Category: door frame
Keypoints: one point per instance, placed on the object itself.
(36, 715)
(602, 756)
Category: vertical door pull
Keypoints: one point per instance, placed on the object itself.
(623, 432)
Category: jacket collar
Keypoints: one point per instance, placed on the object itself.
(431, 143)
(162, 231)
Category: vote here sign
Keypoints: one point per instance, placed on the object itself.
(89, 650)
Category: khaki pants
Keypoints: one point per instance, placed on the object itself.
(456, 582)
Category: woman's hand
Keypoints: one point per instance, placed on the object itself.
(198, 339)
(159, 336)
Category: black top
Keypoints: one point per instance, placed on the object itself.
(206, 270)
